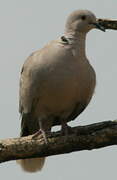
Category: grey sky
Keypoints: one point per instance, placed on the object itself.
(27, 25)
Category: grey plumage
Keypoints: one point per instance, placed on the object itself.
(57, 81)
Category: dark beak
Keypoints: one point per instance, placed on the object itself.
(98, 26)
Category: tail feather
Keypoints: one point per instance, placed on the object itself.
(30, 126)
(32, 165)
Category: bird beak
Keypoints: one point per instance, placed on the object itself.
(98, 26)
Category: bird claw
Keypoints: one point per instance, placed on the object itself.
(41, 134)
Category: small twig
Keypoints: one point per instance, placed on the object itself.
(108, 24)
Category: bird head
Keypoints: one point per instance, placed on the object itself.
(82, 21)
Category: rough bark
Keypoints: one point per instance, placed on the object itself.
(88, 137)
(108, 24)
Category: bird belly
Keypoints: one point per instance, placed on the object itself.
(59, 96)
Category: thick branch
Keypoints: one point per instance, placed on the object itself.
(82, 138)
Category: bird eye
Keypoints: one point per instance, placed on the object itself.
(83, 17)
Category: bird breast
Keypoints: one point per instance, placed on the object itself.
(64, 84)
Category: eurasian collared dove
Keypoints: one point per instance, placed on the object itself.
(57, 82)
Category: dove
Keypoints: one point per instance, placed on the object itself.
(57, 82)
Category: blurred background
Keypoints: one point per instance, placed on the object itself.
(26, 26)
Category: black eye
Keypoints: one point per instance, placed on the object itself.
(83, 17)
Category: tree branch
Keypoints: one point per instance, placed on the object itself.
(88, 137)
(108, 24)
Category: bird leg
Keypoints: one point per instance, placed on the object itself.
(42, 133)
(65, 129)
